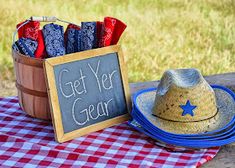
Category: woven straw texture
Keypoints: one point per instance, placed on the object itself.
(226, 111)
(178, 86)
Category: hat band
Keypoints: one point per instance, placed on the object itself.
(187, 121)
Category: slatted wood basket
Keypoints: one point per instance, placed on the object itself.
(30, 78)
(31, 86)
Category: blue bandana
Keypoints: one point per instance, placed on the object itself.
(54, 39)
(74, 41)
(88, 36)
(25, 46)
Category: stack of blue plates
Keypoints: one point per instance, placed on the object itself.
(218, 137)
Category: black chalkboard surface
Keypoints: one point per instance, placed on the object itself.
(88, 91)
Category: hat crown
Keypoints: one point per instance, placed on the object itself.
(183, 78)
(184, 95)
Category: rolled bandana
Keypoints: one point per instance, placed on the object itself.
(15, 48)
(73, 41)
(107, 31)
(26, 46)
(118, 30)
(88, 36)
(70, 26)
(99, 26)
(32, 31)
(29, 30)
(111, 31)
(40, 51)
(54, 39)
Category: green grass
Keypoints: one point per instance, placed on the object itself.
(160, 34)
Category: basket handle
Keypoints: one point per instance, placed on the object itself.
(43, 18)
(40, 19)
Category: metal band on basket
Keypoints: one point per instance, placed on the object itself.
(30, 91)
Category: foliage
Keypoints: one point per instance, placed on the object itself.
(161, 34)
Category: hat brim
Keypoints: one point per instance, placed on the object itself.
(191, 143)
(144, 102)
(219, 134)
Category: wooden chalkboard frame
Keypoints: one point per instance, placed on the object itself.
(56, 116)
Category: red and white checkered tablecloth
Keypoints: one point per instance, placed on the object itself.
(29, 142)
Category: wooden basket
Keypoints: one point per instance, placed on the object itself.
(30, 78)
(31, 86)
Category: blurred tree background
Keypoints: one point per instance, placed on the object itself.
(160, 34)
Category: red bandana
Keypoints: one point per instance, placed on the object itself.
(118, 30)
(32, 30)
(40, 52)
(98, 31)
(111, 31)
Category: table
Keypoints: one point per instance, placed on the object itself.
(28, 142)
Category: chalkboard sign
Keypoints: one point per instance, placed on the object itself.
(88, 91)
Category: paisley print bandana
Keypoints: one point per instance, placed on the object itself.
(29, 30)
(118, 30)
(32, 31)
(54, 39)
(70, 26)
(107, 32)
(15, 48)
(111, 31)
(88, 36)
(26, 46)
(73, 41)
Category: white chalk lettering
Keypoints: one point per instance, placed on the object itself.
(104, 79)
(92, 112)
(68, 83)
(106, 106)
(77, 83)
(76, 87)
(96, 74)
(100, 109)
(82, 112)
(91, 109)
(109, 83)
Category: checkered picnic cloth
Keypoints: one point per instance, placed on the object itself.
(29, 142)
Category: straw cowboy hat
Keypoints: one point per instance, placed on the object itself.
(185, 107)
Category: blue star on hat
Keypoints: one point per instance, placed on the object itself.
(188, 108)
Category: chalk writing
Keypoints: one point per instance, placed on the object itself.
(92, 112)
(76, 88)
(96, 74)
(73, 86)
(104, 77)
